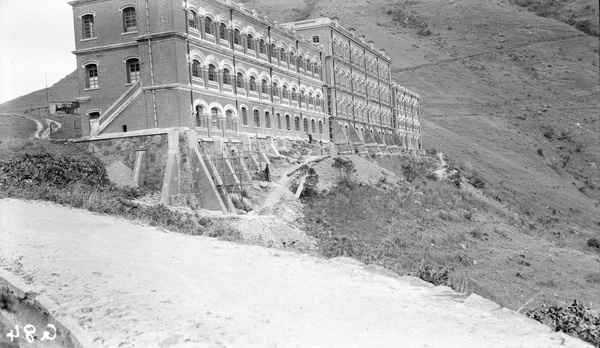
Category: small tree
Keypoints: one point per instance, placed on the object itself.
(345, 166)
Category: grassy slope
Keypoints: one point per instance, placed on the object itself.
(64, 90)
(494, 78)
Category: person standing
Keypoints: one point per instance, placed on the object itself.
(267, 173)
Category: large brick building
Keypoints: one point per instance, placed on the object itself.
(224, 71)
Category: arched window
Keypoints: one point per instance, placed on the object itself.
(294, 94)
(278, 121)
(313, 127)
(133, 70)
(310, 98)
(305, 123)
(302, 97)
(199, 115)
(292, 58)
(193, 20)
(223, 31)
(129, 19)
(212, 74)
(208, 27)
(288, 125)
(297, 123)
(239, 80)
(244, 116)
(215, 117)
(275, 89)
(250, 42)
(196, 69)
(91, 76)
(264, 88)
(252, 83)
(256, 118)
(284, 92)
(261, 46)
(237, 37)
(267, 119)
(226, 77)
(87, 23)
(273, 51)
(320, 127)
(229, 120)
(299, 62)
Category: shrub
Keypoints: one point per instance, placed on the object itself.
(413, 169)
(54, 171)
(346, 166)
(594, 243)
(540, 152)
(573, 319)
(434, 275)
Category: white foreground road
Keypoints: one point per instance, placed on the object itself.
(129, 285)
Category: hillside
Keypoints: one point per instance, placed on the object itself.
(64, 90)
(509, 95)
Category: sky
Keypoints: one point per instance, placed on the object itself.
(34, 43)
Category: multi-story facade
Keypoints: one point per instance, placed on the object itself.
(226, 72)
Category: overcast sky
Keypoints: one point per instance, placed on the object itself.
(36, 36)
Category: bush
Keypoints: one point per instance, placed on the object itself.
(55, 171)
(434, 275)
(346, 166)
(594, 243)
(573, 319)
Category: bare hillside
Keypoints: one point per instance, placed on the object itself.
(64, 90)
(510, 95)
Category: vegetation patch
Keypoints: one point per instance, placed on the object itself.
(392, 228)
(574, 319)
(555, 9)
(403, 16)
(81, 182)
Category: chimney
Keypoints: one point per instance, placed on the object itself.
(352, 31)
(370, 43)
(362, 38)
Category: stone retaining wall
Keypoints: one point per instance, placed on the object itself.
(124, 149)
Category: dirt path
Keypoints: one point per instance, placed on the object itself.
(469, 56)
(134, 286)
(39, 133)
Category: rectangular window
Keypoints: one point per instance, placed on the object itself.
(88, 26)
(316, 39)
(91, 72)
(129, 19)
(133, 69)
